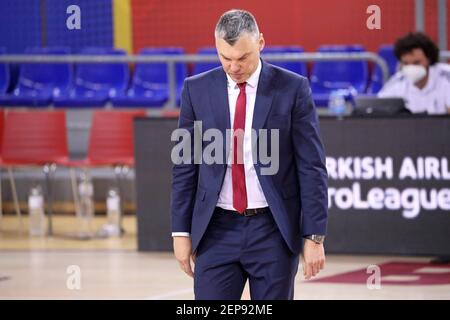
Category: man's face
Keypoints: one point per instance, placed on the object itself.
(415, 57)
(240, 60)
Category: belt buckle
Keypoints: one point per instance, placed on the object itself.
(250, 212)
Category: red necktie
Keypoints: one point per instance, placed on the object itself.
(237, 167)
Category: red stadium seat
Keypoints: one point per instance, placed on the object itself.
(2, 122)
(35, 138)
(111, 139)
(111, 143)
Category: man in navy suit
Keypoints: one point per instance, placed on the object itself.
(233, 221)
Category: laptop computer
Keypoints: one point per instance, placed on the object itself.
(368, 106)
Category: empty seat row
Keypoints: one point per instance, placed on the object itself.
(95, 84)
(91, 84)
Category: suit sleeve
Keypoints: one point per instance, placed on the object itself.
(310, 163)
(184, 175)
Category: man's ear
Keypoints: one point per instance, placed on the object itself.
(261, 42)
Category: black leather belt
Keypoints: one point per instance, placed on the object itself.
(249, 212)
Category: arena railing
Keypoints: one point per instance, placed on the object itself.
(444, 55)
(171, 60)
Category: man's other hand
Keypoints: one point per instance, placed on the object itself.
(182, 247)
(313, 258)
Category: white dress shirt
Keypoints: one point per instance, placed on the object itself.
(255, 195)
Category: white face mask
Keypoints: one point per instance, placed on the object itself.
(414, 73)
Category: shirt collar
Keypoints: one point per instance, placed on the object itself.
(252, 81)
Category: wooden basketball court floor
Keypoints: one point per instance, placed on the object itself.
(62, 268)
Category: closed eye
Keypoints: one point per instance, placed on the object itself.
(225, 58)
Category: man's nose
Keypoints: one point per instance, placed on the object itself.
(234, 67)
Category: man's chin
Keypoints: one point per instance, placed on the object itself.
(238, 79)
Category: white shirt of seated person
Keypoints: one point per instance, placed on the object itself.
(434, 98)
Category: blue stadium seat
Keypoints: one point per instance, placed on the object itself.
(40, 83)
(387, 53)
(150, 85)
(4, 76)
(327, 76)
(96, 83)
(297, 67)
(200, 67)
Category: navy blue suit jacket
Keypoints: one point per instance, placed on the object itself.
(296, 194)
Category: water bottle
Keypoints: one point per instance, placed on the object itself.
(36, 212)
(86, 210)
(337, 105)
(113, 212)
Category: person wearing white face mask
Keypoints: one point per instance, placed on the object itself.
(422, 82)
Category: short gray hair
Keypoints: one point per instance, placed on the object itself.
(232, 24)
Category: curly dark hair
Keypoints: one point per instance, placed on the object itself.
(417, 40)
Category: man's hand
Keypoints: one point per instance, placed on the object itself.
(182, 247)
(313, 258)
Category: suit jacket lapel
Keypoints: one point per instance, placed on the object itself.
(264, 96)
(219, 107)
